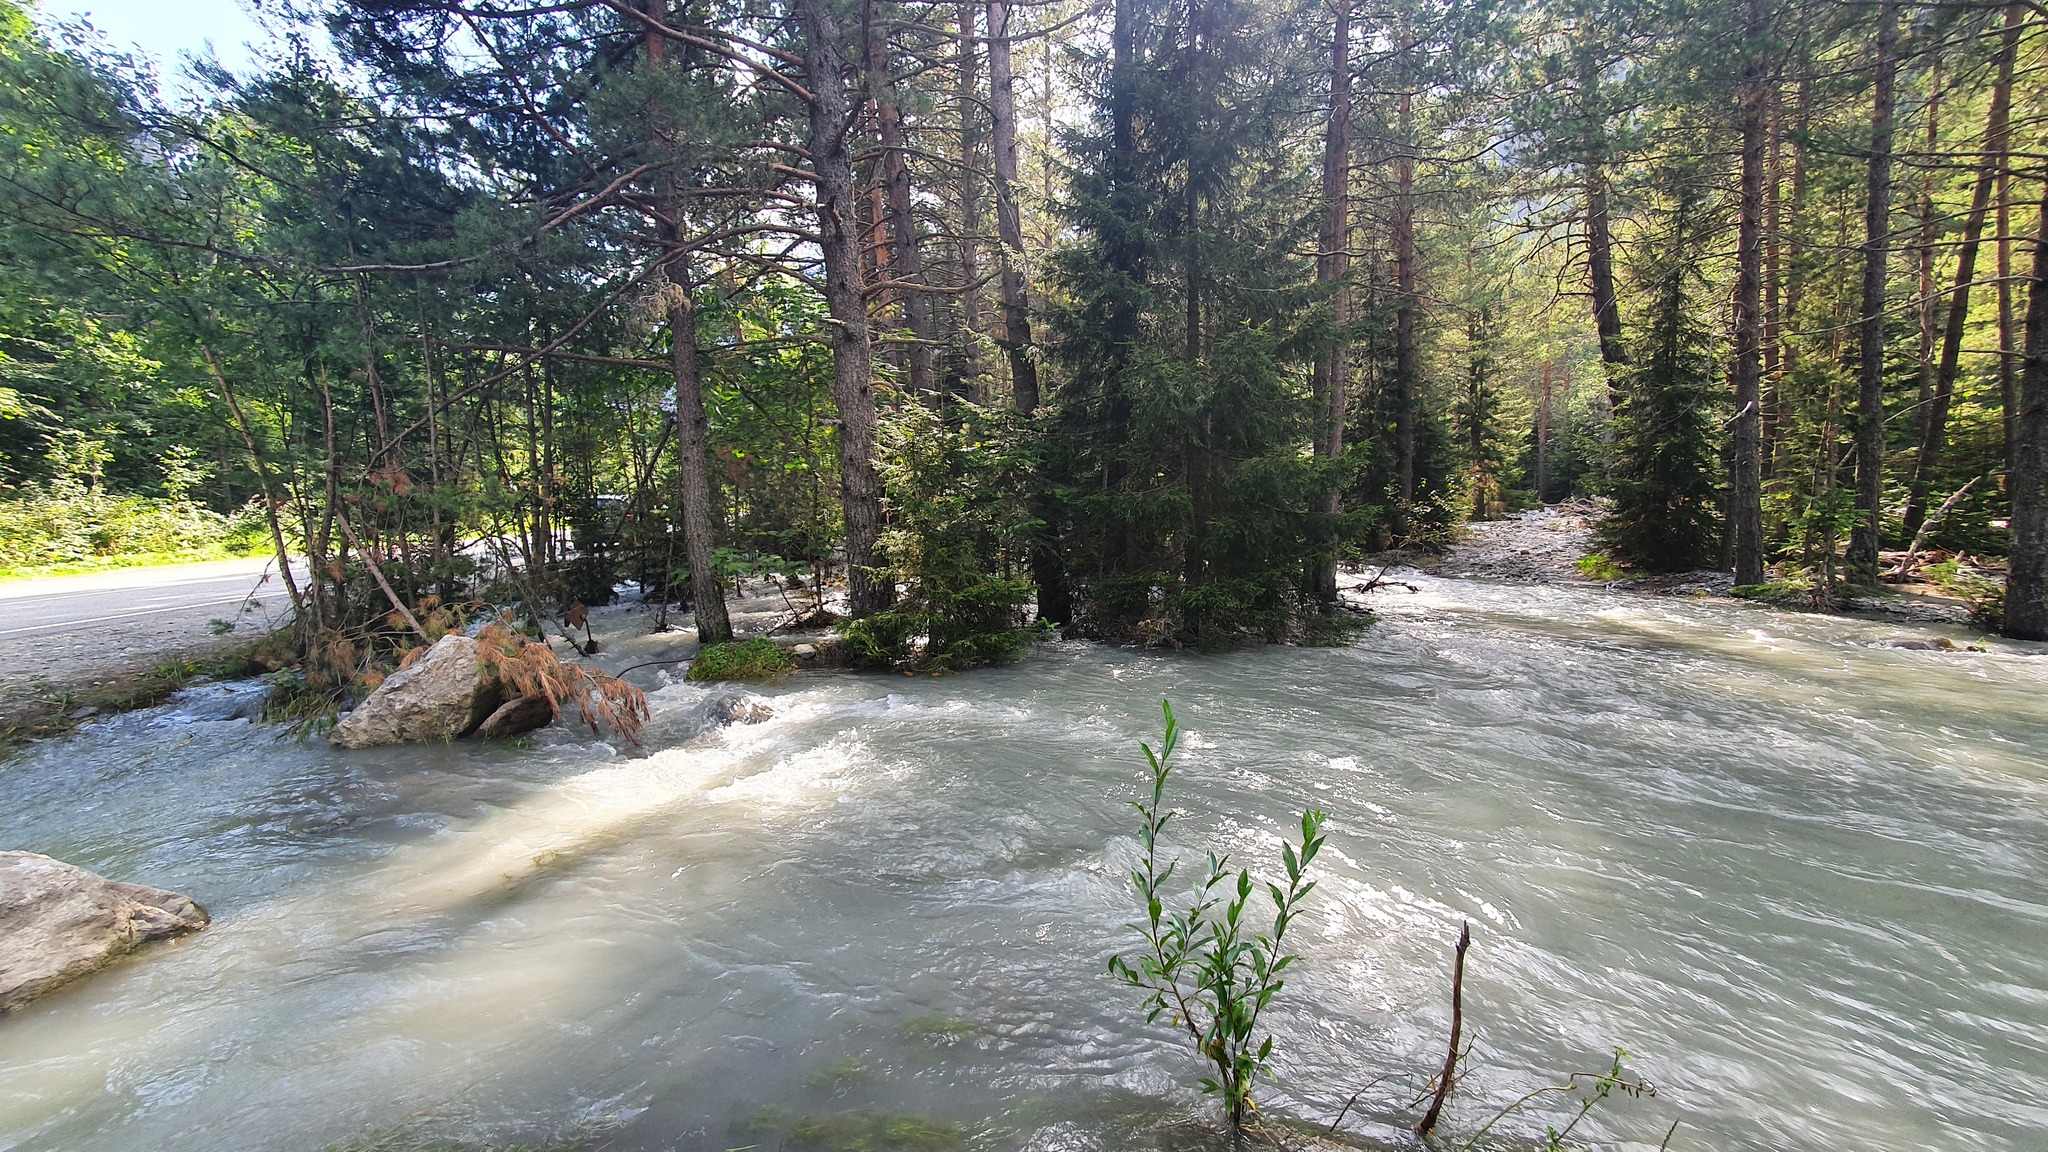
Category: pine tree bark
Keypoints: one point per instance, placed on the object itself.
(906, 261)
(1924, 251)
(1745, 484)
(693, 436)
(1405, 309)
(1599, 241)
(1772, 385)
(1941, 393)
(1861, 560)
(1331, 373)
(2008, 373)
(871, 587)
(970, 207)
(1016, 340)
(693, 433)
(2026, 579)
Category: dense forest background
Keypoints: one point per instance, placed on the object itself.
(1140, 318)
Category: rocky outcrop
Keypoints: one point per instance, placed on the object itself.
(517, 717)
(59, 923)
(444, 694)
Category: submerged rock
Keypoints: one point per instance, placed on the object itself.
(517, 717)
(445, 694)
(737, 710)
(1919, 644)
(59, 923)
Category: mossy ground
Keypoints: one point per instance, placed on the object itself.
(749, 660)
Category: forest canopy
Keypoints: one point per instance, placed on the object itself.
(1143, 319)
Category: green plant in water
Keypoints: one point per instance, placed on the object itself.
(1203, 965)
(757, 659)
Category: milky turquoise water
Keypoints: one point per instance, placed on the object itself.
(1801, 878)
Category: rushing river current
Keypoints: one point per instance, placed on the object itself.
(1800, 877)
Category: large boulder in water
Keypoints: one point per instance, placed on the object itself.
(58, 923)
(444, 694)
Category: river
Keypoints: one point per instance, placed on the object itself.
(1801, 878)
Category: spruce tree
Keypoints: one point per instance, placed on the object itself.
(1664, 460)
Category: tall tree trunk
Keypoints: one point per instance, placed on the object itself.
(692, 429)
(1330, 376)
(1016, 339)
(2026, 580)
(1925, 253)
(1774, 253)
(693, 446)
(1543, 438)
(1745, 484)
(1405, 308)
(1599, 242)
(1861, 559)
(906, 263)
(870, 585)
(1934, 427)
(2008, 371)
(970, 209)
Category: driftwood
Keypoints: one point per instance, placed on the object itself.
(1443, 1083)
(1927, 525)
(1379, 580)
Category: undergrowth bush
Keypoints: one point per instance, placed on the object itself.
(756, 659)
(66, 524)
(958, 526)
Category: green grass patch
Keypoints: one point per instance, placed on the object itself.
(757, 659)
(1600, 566)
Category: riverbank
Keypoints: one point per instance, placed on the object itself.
(1548, 545)
(75, 647)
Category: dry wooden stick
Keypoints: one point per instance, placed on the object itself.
(1927, 525)
(1443, 1084)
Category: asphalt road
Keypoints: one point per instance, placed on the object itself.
(71, 630)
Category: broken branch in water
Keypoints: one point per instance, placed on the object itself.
(1444, 1082)
(1379, 580)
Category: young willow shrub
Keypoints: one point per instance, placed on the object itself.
(1203, 965)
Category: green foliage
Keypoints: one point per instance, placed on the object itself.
(957, 523)
(65, 527)
(1664, 464)
(1599, 566)
(758, 658)
(1204, 967)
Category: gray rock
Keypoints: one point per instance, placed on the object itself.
(445, 694)
(737, 710)
(1918, 644)
(517, 717)
(59, 923)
